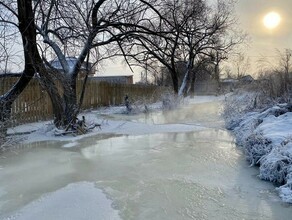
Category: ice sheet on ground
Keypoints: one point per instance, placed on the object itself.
(179, 161)
(73, 202)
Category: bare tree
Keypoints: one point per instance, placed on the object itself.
(183, 31)
(219, 35)
(241, 64)
(76, 27)
(56, 29)
(158, 42)
(285, 64)
(276, 75)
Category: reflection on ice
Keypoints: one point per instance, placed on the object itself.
(75, 201)
(180, 175)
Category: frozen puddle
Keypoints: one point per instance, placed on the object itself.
(75, 201)
(197, 174)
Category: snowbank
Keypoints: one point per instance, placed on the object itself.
(266, 138)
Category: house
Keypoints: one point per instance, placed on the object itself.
(9, 75)
(121, 79)
(246, 79)
(71, 62)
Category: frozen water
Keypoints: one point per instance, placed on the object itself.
(75, 201)
(183, 174)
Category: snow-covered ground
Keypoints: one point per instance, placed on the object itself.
(43, 131)
(265, 135)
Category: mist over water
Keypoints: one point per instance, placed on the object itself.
(187, 175)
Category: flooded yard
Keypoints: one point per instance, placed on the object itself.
(197, 174)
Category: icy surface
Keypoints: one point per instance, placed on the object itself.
(75, 201)
(174, 174)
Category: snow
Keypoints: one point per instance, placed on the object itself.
(266, 137)
(276, 128)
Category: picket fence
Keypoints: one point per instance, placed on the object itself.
(34, 104)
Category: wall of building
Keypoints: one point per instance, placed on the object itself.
(114, 79)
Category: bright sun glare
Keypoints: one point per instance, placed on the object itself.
(272, 20)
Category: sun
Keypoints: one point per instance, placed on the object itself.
(272, 20)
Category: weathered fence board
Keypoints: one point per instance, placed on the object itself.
(34, 104)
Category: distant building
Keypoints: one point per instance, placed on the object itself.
(114, 79)
(9, 75)
(246, 79)
(71, 62)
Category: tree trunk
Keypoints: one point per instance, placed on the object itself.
(57, 103)
(184, 86)
(70, 101)
(5, 111)
(64, 106)
(192, 89)
(217, 72)
(174, 78)
(186, 80)
(28, 34)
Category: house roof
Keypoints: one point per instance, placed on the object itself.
(71, 61)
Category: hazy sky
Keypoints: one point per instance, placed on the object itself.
(264, 41)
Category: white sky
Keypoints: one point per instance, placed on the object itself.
(264, 42)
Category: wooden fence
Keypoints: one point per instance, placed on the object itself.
(34, 104)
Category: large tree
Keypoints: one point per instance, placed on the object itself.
(57, 29)
(75, 28)
(185, 31)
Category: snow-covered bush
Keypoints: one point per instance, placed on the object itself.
(256, 146)
(275, 165)
(275, 84)
(263, 130)
(160, 99)
(245, 125)
(170, 101)
(240, 103)
(285, 191)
